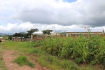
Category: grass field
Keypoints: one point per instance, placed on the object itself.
(62, 53)
(2, 65)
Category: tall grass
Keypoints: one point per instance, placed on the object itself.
(26, 47)
(57, 64)
(32, 49)
(88, 50)
(82, 50)
(2, 65)
(22, 60)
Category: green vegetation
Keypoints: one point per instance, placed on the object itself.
(26, 47)
(67, 53)
(57, 64)
(22, 60)
(88, 50)
(2, 66)
(47, 32)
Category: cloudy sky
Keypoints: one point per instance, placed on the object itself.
(58, 15)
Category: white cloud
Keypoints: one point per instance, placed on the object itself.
(13, 28)
(50, 14)
(24, 27)
(84, 12)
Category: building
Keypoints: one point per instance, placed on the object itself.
(55, 34)
(84, 32)
(37, 36)
(40, 36)
(18, 39)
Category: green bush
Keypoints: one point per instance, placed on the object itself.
(79, 60)
(68, 65)
(22, 60)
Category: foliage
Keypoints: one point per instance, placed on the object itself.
(57, 64)
(32, 30)
(26, 47)
(10, 37)
(81, 49)
(2, 65)
(22, 60)
(47, 32)
(43, 58)
(22, 34)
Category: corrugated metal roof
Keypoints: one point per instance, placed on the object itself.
(85, 30)
(39, 33)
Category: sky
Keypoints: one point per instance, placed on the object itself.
(58, 15)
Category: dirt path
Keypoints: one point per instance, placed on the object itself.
(9, 56)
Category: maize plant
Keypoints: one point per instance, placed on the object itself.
(81, 49)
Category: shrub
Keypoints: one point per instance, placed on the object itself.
(68, 65)
(22, 60)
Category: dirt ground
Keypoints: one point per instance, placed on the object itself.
(9, 56)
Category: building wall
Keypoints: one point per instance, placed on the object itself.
(38, 37)
(83, 33)
(55, 34)
(19, 39)
(41, 37)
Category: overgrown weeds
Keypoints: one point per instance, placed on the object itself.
(2, 65)
(82, 50)
(58, 53)
(22, 60)
(57, 64)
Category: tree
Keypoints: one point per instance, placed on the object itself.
(10, 37)
(18, 34)
(47, 32)
(32, 31)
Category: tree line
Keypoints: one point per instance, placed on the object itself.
(29, 33)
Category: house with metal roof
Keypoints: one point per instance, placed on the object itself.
(85, 32)
(39, 35)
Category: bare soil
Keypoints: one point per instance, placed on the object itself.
(9, 56)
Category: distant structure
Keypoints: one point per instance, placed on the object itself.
(37, 35)
(55, 34)
(84, 32)
(40, 36)
(2, 39)
(18, 39)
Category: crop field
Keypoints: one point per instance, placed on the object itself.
(67, 53)
(82, 50)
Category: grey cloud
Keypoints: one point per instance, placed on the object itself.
(37, 16)
(48, 16)
(94, 13)
(82, 12)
